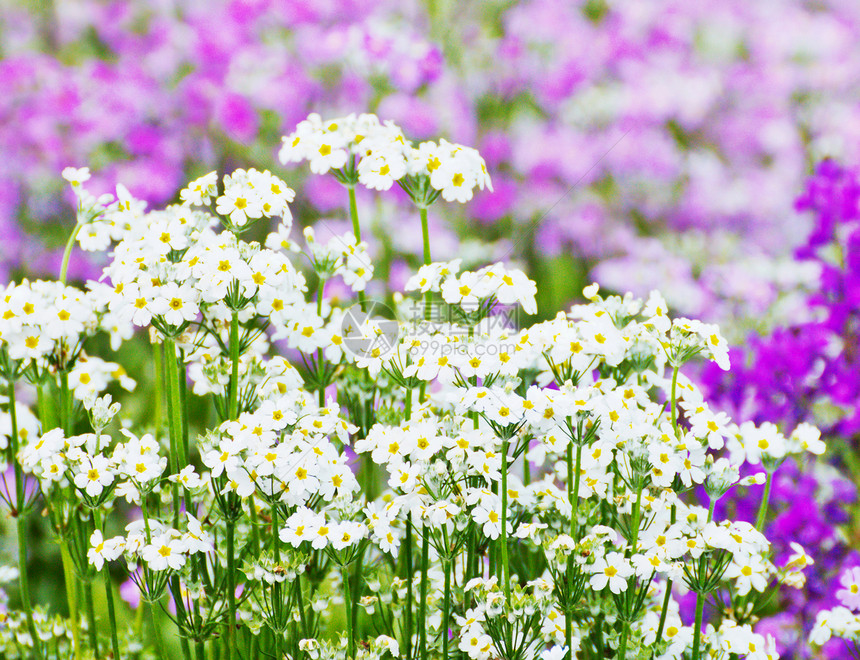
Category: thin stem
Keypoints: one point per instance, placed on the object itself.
(174, 403)
(666, 598)
(425, 233)
(409, 595)
(66, 404)
(762, 512)
(622, 645)
(622, 648)
(91, 618)
(422, 605)
(156, 633)
(306, 632)
(503, 537)
(159, 375)
(697, 630)
(347, 599)
(67, 253)
(69, 575)
(108, 592)
(234, 360)
(446, 608)
(356, 229)
(408, 553)
(320, 357)
(20, 520)
(573, 497)
(231, 590)
(674, 399)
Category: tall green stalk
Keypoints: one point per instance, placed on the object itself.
(408, 554)
(446, 607)
(233, 411)
(666, 597)
(407, 550)
(92, 631)
(356, 229)
(321, 392)
(347, 599)
(503, 536)
(21, 520)
(573, 498)
(422, 605)
(762, 511)
(67, 253)
(634, 530)
(71, 597)
(673, 397)
(425, 233)
(697, 630)
(231, 589)
(174, 403)
(108, 593)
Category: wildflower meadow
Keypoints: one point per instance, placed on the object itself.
(430, 331)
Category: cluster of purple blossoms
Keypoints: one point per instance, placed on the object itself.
(807, 371)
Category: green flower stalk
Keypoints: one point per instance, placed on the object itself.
(21, 518)
(356, 230)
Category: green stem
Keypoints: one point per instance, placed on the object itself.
(69, 575)
(666, 598)
(573, 497)
(762, 511)
(156, 632)
(425, 233)
(47, 411)
(422, 605)
(446, 608)
(174, 425)
(20, 520)
(356, 229)
(408, 553)
(66, 404)
(409, 595)
(697, 630)
(68, 252)
(234, 360)
(174, 403)
(108, 591)
(356, 596)
(347, 600)
(634, 530)
(158, 403)
(674, 399)
(503, 536)
(91, 618)
(111, 614)
(231, 590)
(306, 632)
(320, 356)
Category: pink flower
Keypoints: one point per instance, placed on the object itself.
(850, 595)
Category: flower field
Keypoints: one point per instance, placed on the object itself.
(423, 330)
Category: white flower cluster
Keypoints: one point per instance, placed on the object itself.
(376, 154)
(534, 490)
(45, 323)
(842, 621)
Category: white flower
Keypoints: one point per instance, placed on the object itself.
(102, 550)
(94, 475)
(612, 569)
(165, 552)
